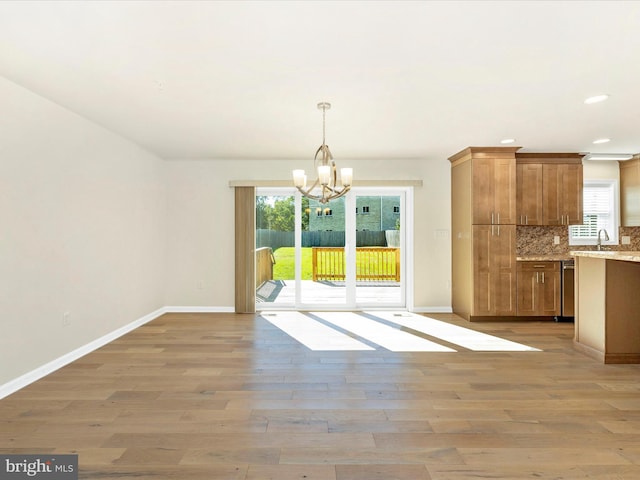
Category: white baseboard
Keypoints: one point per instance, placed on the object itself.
(179, 309)
(44, 370)
(432, 310)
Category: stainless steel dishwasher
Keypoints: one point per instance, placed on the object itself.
(567, 288)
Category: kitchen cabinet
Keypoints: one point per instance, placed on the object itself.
(494, 270)
(630, 192)
(529, 193)
(549, 188)
(539, 288)
(494, 187)
(483, 197)
(607, 305)
(562, 194)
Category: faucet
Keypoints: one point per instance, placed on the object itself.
(606, 238)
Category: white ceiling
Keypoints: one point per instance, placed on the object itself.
(418, 79)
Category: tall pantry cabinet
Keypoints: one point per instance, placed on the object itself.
(483, 207)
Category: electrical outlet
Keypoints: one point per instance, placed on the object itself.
(66, 319)
(626, 240)
(556, 239)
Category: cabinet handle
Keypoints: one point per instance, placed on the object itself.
(492, 222)
(526, 219)
(542, 277)
(498, 218)
(538, 266)
(498, 230)
(537, 277)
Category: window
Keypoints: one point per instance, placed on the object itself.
(600, 211)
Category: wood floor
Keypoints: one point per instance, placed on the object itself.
(225, 396)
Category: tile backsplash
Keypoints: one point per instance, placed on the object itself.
(538, 240)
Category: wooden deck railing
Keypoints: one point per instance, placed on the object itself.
(264, 265)
(372, 264)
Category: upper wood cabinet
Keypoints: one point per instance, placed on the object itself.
(558, 176)
(630, 192)
(494, 188)
(562, 194)
(493, 184)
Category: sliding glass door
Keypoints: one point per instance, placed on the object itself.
(346, 254)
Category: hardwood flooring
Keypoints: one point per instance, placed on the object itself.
(226, 396)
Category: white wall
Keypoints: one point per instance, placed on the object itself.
(200, 239)
(82, 230)
(600, 170)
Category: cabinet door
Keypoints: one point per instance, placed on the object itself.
(549, 292)
(552, 195)
(538, 289)
(630, 193)
(529, 194)
(504, 193)
(527, 293)
(483, 191)
(572, 194)
(494, 270)
(494, 190)
(562, 194)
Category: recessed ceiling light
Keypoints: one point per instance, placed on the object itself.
(508, 140)
(602, 140)
(596, 99)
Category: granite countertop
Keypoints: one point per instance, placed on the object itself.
(558, 257)
(630, 256)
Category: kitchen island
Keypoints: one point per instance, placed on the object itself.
(607, 316)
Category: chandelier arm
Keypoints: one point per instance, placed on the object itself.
(308, 195)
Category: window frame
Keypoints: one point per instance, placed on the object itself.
(613, 185)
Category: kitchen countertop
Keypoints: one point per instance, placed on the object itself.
(630, 256)
(545, 258)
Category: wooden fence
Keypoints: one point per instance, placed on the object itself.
(372, 264)
(276, 239)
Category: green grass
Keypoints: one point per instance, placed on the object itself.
(284, 269)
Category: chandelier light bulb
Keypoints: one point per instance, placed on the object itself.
(346, 176)
(299, 178)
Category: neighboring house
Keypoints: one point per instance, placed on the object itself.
(373, 213)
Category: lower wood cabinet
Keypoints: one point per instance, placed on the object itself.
(494, 270)
(538, 287)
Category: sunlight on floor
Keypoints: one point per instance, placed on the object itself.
(337, 331)
(465, 337)
(384, 335)
(313, 334)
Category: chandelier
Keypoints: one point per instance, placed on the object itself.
(327, 172)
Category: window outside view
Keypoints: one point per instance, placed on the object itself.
(323, 265)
